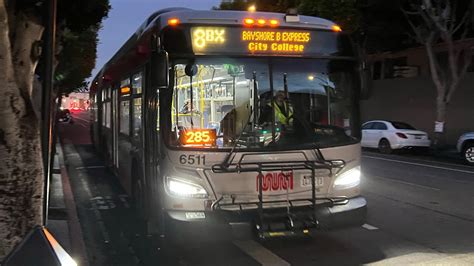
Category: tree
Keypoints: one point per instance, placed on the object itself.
(21, 170)
(344, 12)
(449, 22)
(261, 5)
(80, 50)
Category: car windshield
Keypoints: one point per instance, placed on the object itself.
(255, 103)
(402, 125)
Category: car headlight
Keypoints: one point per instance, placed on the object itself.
(348, 179)
(184, 188)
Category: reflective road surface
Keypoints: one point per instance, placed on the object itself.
(421, 211)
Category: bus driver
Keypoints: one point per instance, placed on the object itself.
(283, 111)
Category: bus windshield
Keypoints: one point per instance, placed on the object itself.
(276, 103)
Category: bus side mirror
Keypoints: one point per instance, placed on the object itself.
(365, 82)
(159, 70)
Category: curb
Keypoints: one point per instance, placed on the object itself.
(75, 232)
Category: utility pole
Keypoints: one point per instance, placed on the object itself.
(46, 119)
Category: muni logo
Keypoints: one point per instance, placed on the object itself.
(276, 181)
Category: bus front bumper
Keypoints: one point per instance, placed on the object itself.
(352, 213)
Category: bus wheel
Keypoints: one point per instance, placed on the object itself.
(384, 146)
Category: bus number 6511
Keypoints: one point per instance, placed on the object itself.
(192, 159)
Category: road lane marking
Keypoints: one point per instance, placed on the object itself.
(419, 164)
(100, 222)
(415, 159)
(406, 183)
(260, 253)
(369, 227)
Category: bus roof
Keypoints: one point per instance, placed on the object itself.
(229, 17)
(159, 20)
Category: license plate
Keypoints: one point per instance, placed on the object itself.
(306, 181)
(417, 137)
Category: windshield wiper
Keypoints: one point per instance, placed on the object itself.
(255, 107)
(272, 102)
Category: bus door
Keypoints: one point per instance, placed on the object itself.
(115, 127)
(151, 144)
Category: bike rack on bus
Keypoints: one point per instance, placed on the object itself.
(334, 167)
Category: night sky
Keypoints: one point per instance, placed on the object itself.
(127, 15)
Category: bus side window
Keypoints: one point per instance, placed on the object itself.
(125, 92)
(124, 116)
(137, 86)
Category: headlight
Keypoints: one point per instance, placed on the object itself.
(348, 179)
(183, 188)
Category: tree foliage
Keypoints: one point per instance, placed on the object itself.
(76, 59)
(343, 12)
(262, 5)
(79, 22)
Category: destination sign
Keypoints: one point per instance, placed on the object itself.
(198, 137)
(271, 41)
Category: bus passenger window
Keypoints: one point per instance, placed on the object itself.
(107, 114)
(137, 83)
(125, 117)
(137, 117)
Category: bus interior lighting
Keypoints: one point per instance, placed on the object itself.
(173, 21)
(125, 90)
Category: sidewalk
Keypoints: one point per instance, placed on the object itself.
(63, 221)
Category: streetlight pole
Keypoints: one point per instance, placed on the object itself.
(46, 120)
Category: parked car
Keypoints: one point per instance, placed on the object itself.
(465, 146)
(390, 135)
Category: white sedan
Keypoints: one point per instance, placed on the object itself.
(389, 135)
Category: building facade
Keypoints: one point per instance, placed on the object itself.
(402, 90)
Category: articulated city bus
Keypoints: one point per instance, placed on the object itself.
(215, 118)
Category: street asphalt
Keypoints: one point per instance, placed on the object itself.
(420, 211)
